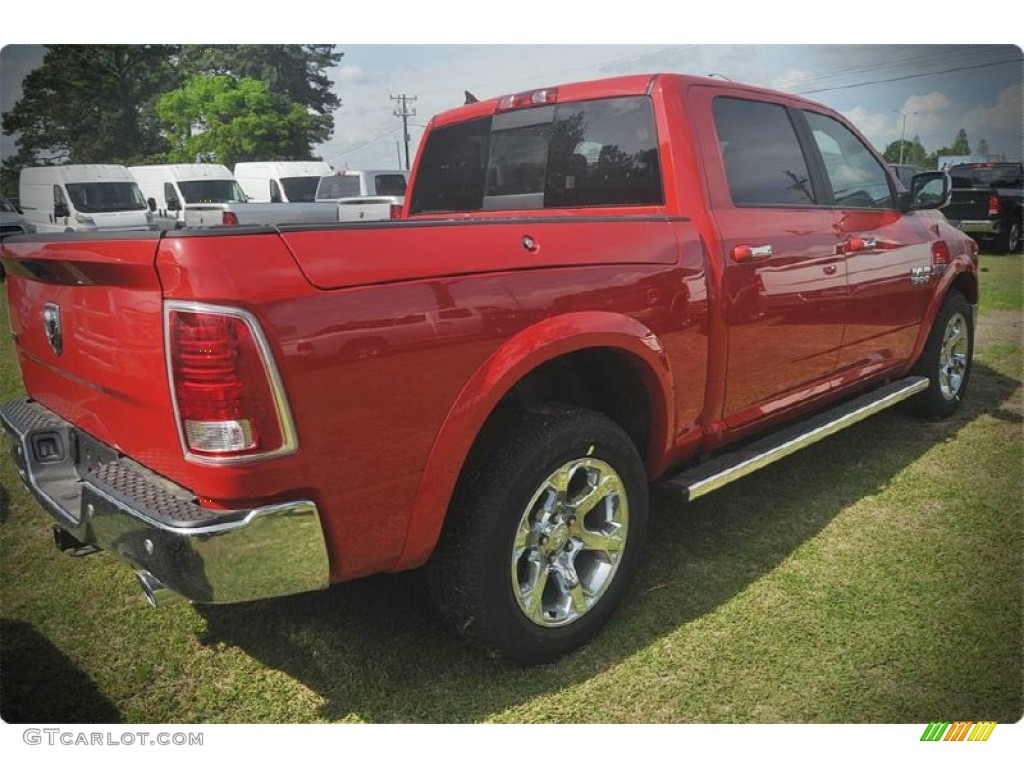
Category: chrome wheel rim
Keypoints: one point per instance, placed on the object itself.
(569, 542)
(953, 356)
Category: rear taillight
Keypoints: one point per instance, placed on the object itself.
(395, 212)
(994, 206)
(229, 219)
(228, 399)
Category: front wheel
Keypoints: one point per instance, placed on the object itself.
(946, 359)
(543, 535)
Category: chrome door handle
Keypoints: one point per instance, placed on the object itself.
(744, 253)
(855, 244)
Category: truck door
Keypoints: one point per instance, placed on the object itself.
(888, 253)
(784, 282)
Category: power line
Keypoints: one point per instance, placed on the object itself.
(910, 77)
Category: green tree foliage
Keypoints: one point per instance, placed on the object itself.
(97, 104)
(960, 145)
(92, 104)
(913, 153)
(227, 120)
(296, 72)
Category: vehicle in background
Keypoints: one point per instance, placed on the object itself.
(364, 195)
(83, 198)
(905, 172)
(292, 181)
(191, 196)
(986, 203)
(170, 188)
(11, 220)
(12, 223)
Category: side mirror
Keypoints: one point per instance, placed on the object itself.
(151, 202)
(60, 210)
(928, 192)
(174, 204)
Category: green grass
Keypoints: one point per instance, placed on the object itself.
(876, 578)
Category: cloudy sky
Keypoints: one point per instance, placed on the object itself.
(938, 88)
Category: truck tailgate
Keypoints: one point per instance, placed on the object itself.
(968, 204)
(87, 324)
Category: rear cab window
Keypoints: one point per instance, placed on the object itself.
(602, 152)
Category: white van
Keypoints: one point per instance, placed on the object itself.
(74, 198)
(292, 181)
(169, 188)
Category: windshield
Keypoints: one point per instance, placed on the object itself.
(6, 207)
(1005, 175)
(105, 196)
(334, 187)
(300, 189)
(212, 191)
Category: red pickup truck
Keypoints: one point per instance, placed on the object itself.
(592, 287)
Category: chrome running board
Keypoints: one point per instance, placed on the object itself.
(722, 470)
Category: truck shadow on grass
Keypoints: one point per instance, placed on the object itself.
(374, 652)
(42, 685)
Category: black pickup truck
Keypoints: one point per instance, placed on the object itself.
(986, 203)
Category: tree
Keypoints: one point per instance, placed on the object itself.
(295, 72)
(960, 145)
(913, 152)
(983, 149)
(227, 120)
(92, 104)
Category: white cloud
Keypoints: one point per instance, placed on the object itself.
(349, 74)
(792, 81)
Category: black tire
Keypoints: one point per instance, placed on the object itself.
(946, 359)
(1010, 240)
(509, 529)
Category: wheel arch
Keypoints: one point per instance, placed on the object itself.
(958, 278)
(580, 338)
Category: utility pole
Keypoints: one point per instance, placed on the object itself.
(405, 113)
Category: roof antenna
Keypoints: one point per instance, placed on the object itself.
(717, 74)
(470, 98)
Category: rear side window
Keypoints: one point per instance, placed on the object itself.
(761, 153)
(578, 154)
(390, 184)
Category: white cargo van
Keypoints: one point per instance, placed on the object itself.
(70, 198)
(292, 181)
(169, 188)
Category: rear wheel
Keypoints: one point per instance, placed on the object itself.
(946, 359)
(1010, 240)
(544, 533)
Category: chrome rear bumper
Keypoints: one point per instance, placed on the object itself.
(158, 527)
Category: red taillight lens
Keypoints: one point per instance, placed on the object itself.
(226, 391)
(994, 206)
(229, 219)
(395, 212)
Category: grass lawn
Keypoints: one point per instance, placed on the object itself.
(876, 578)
